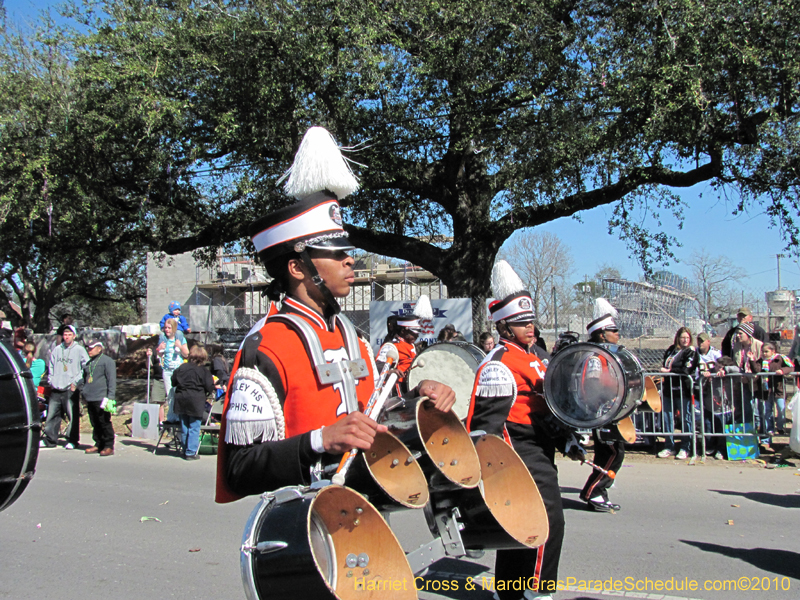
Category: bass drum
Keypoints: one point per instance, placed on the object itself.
(325, 543)
(20, 426)
(589, 385)
(451, 363)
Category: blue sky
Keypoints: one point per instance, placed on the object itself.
(747, 239)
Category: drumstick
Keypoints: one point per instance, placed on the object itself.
(375, 404)
(609, 474)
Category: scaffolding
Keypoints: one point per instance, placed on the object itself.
(648, 308)
(229, 300)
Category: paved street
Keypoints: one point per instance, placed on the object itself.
(77, 532)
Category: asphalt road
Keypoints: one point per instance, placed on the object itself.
(77, 532)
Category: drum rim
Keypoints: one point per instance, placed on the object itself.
(609, 349)
(32, 453)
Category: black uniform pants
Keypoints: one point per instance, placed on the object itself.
(102, 429)
(608, 455)
(538, 566)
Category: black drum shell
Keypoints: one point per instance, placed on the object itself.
(564, 377)
(447, 440)
(20, 426)
(352, 525)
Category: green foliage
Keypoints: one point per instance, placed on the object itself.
(473, 119)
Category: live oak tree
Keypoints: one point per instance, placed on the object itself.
(472, 119)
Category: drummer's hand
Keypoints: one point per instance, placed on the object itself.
(442, 395)
(353, 431)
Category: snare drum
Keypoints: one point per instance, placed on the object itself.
(451, 363)
(589, 385)
(322, 543)
(20, 426)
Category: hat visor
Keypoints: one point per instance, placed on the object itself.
(525, 317)
(333, 243)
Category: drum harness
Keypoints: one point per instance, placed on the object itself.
(344, 372)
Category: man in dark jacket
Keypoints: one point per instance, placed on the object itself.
(743, 315)
(99, 387)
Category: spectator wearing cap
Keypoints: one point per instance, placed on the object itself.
(174, 312)
(99, 385)
(743, 315)
(66, 373)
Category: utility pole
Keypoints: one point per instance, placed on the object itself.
(779, 257)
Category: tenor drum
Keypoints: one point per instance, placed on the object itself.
(505, 511)
(389, 475)
(447, 454)
(451, 363)
(326, 543)
(589, 385)
(20, 426)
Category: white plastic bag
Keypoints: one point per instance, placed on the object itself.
(794, 408)
(791, 406)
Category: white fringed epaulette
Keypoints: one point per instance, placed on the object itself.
(254, 411)
(496, 380)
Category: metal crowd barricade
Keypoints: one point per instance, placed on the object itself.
(699, 415)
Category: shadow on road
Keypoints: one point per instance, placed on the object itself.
(780, 500)
(780, 562)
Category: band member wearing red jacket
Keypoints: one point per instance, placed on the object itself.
(608, 452)
(507, 400)
(302, 374)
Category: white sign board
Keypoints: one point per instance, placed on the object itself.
(457, 311)
(144, 423)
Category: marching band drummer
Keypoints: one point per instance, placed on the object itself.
(402, 332)
(507, 400)
(286, 410)
(608, 454)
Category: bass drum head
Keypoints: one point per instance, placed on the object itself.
(20, 426)
(586, 385)
(451, 363)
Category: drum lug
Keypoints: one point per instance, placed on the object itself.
(284, 495)
(265, 547)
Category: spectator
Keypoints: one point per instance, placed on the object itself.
(773, 389)
(220, 368)
(746, 356)
(707, 367)
(36, 366)
(66, 372)
(743, 315)
(539, 339)
(172, 349)
(794, 351)
(676, 390)
(192, 383)
(486, 341)
(175, 313)
(447, 333)
(99, 386)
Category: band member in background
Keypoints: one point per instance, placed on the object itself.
(282, 420)
(608, 453)
(507, 400)
(402, 333)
